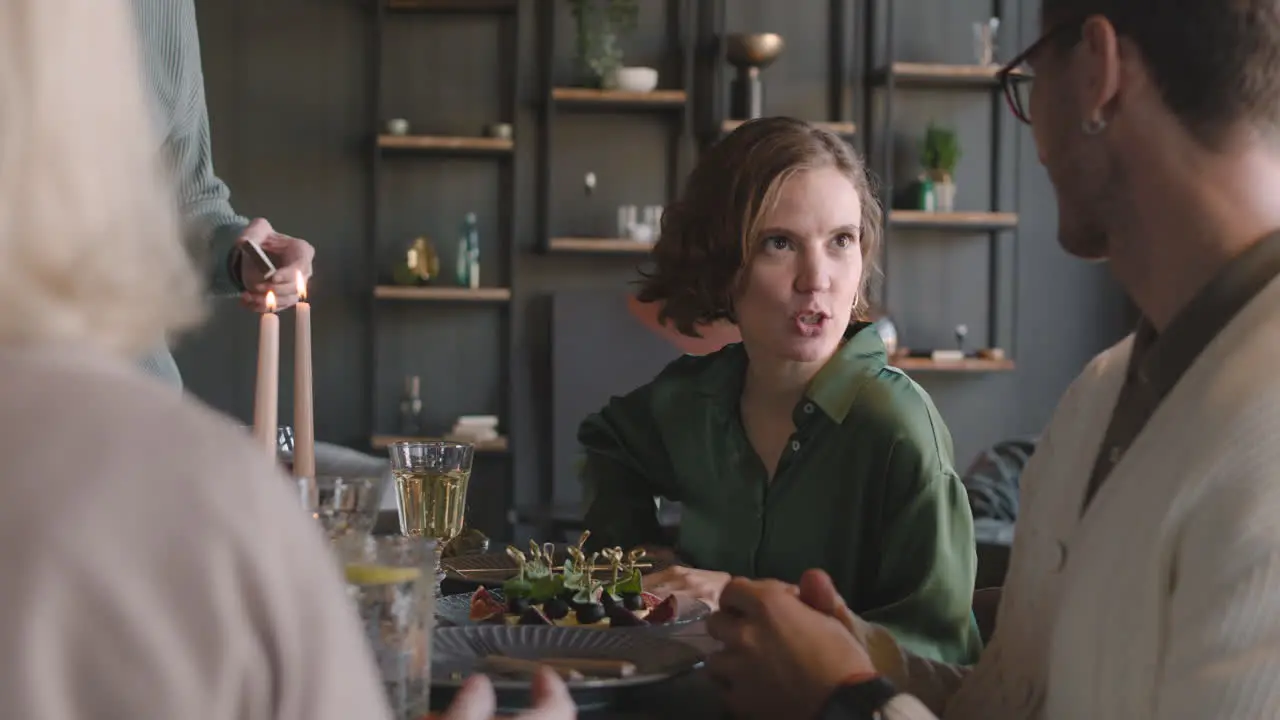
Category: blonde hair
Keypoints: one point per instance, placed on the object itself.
(90, 248)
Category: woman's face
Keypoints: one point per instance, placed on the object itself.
(798, 292)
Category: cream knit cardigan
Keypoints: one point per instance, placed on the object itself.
(1163, 602)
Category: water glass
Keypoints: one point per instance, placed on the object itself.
(343, 505)
(431, 479)
(627, 217)
(984, 41)
(389, 580)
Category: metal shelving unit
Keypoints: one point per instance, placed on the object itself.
(840, 95)
(422, 148)
(559, 100)
(889, 75)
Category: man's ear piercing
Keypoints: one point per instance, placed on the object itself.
(1093, 127)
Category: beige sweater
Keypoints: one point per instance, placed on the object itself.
(155, 564)
(1163, 603)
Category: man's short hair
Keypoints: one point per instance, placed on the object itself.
(1216, 62)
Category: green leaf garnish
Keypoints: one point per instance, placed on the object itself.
(630, 584)
(573, 580)
(517, 587)
(546, 588)
(587, 595)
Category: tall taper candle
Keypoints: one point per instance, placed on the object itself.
(266, 391)
(304, 428)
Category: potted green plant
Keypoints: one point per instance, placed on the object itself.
(940, 155)
(601, 25)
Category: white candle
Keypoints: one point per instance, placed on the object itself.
(266, 391)
(304, 429)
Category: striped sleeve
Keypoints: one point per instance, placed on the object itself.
(170, 50)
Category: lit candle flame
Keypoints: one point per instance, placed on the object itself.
(271, 301)
(302, 286)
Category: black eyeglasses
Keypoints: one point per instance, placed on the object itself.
(1015, 79)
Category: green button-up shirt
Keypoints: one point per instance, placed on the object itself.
(865, 489)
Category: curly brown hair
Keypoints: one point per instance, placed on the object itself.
(709, 234)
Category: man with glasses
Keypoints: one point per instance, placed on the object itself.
(1145, 575)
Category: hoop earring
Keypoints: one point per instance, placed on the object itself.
(1093, 127)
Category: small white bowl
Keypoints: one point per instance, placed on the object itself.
(636, 79)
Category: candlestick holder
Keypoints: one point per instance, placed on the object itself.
(750, 53)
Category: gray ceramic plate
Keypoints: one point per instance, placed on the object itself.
(458, 652)
(456, 610)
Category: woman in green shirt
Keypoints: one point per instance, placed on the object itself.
(798, 447)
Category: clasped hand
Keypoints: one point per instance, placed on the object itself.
(786, 648)
(704, 585)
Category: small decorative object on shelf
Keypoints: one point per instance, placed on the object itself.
(958, 355)
(940, 156)
(411, 407)
(468, 259)
(398, 126)
(640, 228)
(626, 220)
(600, 27)
(502, 131)
(927, 198)
(993, 354)
(653, 219)
(475, 429)
(634, 79)
(750, 53)
(589, 183)
(887, 331)
(421, 264)
(984, 41)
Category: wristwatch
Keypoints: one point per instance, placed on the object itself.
(863, 700)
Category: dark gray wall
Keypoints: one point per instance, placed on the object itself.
(288, 85)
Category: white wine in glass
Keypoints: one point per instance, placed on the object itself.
(431, 502)
(431, 490)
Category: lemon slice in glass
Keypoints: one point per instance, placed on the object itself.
(358, 574)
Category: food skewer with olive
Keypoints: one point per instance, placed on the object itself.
(539, 595)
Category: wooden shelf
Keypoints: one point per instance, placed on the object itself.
(968, 365)
(442, 294)
(590, 97)
(500, 445)
(446, 144)
(452, 6)
(603, 246)
(839, 128)
(938, 75)
(958, 221)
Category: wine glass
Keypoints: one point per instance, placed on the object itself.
(431, 490)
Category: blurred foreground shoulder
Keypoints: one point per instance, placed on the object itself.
(158, 562)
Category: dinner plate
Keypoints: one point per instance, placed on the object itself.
(456, 610)
(458, 652)
(494, 568)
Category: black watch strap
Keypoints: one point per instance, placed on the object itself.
(859, 701)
